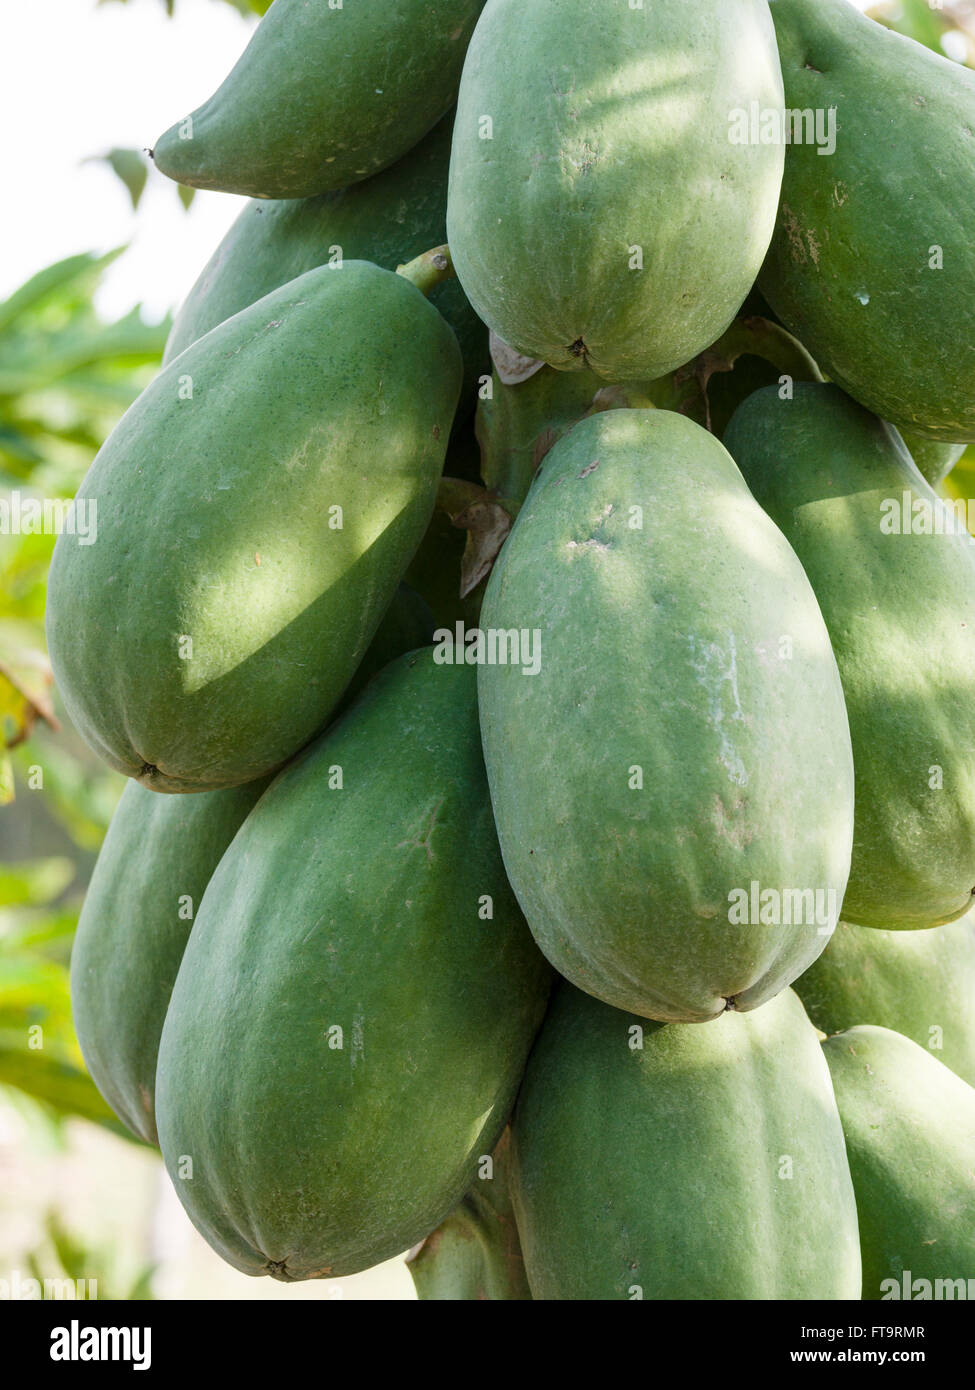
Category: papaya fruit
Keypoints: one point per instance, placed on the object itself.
(387, 219)
(934, 460)
(672, 784)
(899, 602)
(919, 983)
(257, 507)
(323, 96)
(475, 1253)
(877, 280)
(600, 214)
(156, 860)
(358, 996)
(909, 1124)
(407, 624)
(154, 865)
(638, 1148)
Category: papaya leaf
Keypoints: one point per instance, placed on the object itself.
(75, 272)
(129, 167)
(21, 706)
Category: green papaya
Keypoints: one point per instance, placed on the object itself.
(872, 264)
(919, 983)
(899, 602)
(256, 508)
(671, 1161)
(323, 95)
(387, 219)
(909, 1124)
(601, 214)
(408, 623)
(155, 863)
(934, 460)
(355, 1007)
(475, 1253)
(672, 782)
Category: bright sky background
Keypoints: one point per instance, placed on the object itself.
(77, 79)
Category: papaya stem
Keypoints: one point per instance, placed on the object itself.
(428, 270)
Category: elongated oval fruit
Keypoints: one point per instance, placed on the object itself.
(919, 983)
(387, 219)
(909, 1124)
(323, 96)
(153, 868)
(894, 572)
(608, 207)
(670, 762)
(475, 1255)
(872, 264)
(256, 508)
(358, 997)
(677, 1162)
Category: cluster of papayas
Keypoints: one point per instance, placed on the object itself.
(488, 915)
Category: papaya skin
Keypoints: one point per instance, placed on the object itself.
(323, 97)
(357, 907)
(475, 1255)
(850, 269)
(648, 1159)
(919, 983)
(153, 868)
(900, 609)
(214, 526)
(386, 219)
(154, 865)
(611, 142)
(660, 653)
(909, 1125)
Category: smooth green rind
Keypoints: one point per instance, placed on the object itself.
(360, 908)
(323, 96)
(609, 221)
(853, 269)
(475, 1254)
(681, 647)
(909, 1124)
(387, 219)
(679, 1162)
(216, 522)
(156, 861)
(900, 609)
(920, 983)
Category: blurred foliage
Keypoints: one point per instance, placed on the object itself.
(132, 167)
(66, 376)
(949, 28)
(245, 7)
(62, 1256)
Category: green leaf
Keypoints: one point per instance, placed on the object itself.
(129, 166)
(83, 269)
